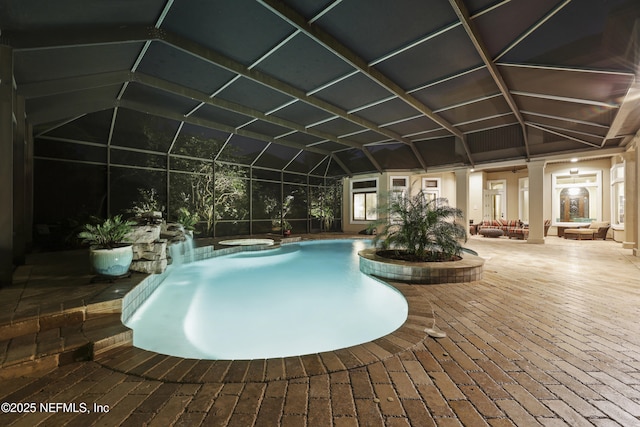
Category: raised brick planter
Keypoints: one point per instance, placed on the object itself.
(468, 269)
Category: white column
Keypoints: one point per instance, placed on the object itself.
(630, 200)
(636, 191)
(6, 165)
(462, 193)
(536, 201)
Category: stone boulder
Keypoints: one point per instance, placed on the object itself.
(149, 267)
(149, 250)
(144, 234)
(154, 251)
(151, 245)
(174, 232)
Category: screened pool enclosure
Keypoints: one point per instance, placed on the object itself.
(250, 112)
(235, 184)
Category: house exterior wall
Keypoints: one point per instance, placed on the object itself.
(447, 190)
(512, 189)
(601, 165)
(478, 182)
(348, 225)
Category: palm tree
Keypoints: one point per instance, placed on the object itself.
(418, 228)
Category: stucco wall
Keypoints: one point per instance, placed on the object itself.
(477, 184)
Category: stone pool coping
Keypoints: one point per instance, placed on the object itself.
(410, 334)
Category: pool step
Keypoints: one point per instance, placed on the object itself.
(45, 342)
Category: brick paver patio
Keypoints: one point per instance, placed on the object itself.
(549, 337)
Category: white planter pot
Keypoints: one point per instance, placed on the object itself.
(111, 262)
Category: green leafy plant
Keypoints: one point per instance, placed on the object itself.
(278, 220)
(417, 228)
(106, 235)
(213, 197)
(325, 214)
(148, 202)
(188, 219)
(322, 205)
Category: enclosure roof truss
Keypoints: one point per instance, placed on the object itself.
(369, 87)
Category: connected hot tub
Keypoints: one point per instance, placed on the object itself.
(247, 242)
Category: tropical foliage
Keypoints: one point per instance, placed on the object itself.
(109, 234)
(323, 202)
(419, 228)
(187, 219)
(208, 177)
(278, 213)
(213, 197)
(148, 201)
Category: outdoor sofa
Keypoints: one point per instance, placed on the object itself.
(513, 228)
(595, 230)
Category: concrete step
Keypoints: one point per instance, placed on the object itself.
(106, 332)
(48, 341)
(56, 319)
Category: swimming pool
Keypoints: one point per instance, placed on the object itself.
(299, 299)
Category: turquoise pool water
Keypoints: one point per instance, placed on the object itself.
(299, 299)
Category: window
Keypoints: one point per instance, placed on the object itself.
(364, 200)
(399, 190)
(431, 188)
(399, 186)
(495, 199)
(399, 182)
(617, 195)
(523, 199)
(577, 196)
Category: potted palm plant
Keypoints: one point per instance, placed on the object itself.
(109, 252)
